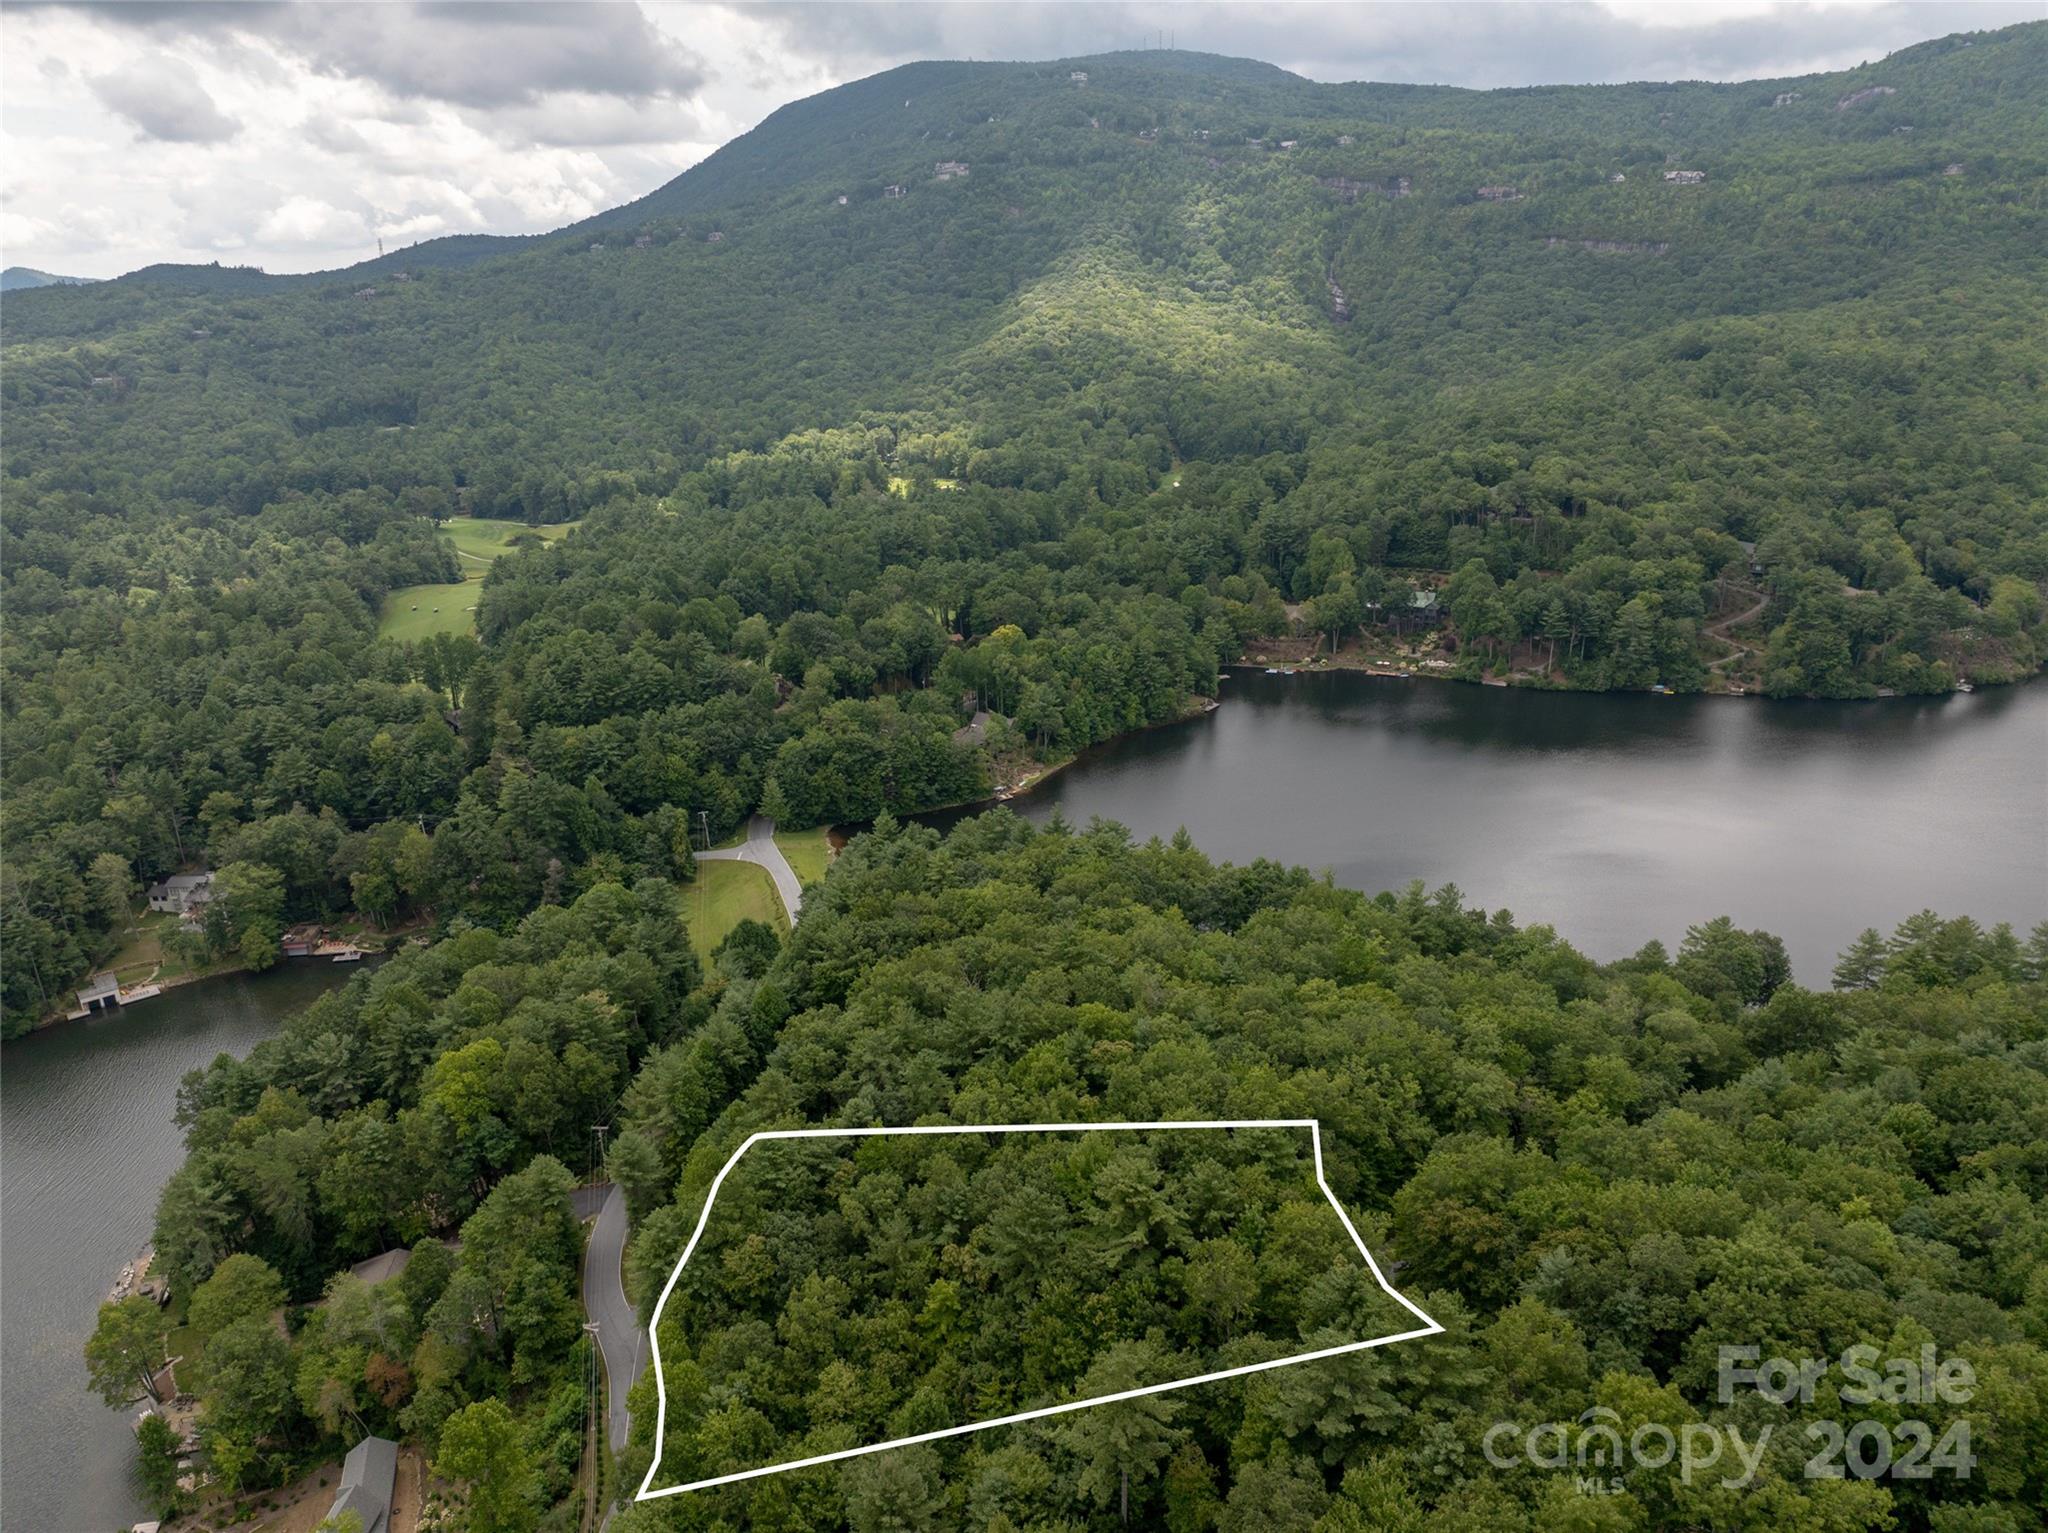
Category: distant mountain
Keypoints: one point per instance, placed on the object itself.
(1683, 294)
(15, 278)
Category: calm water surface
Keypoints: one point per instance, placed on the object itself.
(1614, 819)
(86, 1143)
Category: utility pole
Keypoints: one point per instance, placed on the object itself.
(599, 1129)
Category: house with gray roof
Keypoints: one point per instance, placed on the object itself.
(367, 1477)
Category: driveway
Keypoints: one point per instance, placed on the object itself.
(760, 849)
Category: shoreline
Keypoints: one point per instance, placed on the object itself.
(1324, 665)
(58, 1019)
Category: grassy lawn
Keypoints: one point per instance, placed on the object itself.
(807, 851)
(142, 953)
(722, 895)
(420, 612)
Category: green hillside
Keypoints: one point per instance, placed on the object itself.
(1062, 433)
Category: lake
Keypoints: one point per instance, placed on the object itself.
(1614, 818)
(86, 1143)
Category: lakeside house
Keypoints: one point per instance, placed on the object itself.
(183, 895)
(946, 170)
(367, 1477)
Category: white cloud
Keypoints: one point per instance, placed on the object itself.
(309, 221)
(163, 98)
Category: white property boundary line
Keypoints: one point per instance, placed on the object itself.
(1428, 1328)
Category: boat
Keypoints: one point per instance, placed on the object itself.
(1963, 684)
(347, 955)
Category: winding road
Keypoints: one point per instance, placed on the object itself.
(619, 1335)
(760, 849)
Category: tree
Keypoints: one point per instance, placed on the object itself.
(1862, 965)
(1129, 1438)
(481, 1447)
(246, 1382)
(125, 1350)
(243, 1287)
(112, 882)
(156, 1446)
(635, 1165)
(248, 897)
(896, 1492)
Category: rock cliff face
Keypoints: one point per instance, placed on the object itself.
(1340, 306)
(1870, 93)
(1609, 247)
(1348, 190)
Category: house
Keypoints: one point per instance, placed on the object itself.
(1424, 610)
(715, 237)
(946, 170)
(974, 732)
(1148, 135)
(892, 191)
(366, 292)
(1954, 170)
(1289, 143)
(367, 1477)
(1616, 179)
(1784, 98)
(1685, 177)
(642, 241)
(1079, 76)
(1497, 194)
(597, 247)
(1345, 140)
(840, 199)
(182, 893)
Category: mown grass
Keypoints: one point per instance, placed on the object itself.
(808, 852)
(722, 895)
(420, 612)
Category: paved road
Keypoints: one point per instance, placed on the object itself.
(760, 849)
(619, 1334)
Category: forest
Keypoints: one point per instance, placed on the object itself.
(889, 492)
(1048, 443)
(1592, 1176)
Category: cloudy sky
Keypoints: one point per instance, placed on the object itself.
(295, 136)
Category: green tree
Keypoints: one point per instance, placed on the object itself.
(156, 1446)
(243, 1287)
(125, 1349)
(483, 1451)
(1128, 1439)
